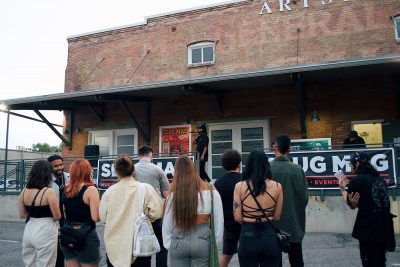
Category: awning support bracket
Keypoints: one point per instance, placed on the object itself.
(135, 122)
(301, 101)
(97, 114)
(65, 141)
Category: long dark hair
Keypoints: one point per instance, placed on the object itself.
(364, 165)
(257, 171)
(40, 175)
(185, 186)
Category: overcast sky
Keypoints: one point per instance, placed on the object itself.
(33, 50)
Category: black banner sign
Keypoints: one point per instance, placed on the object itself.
(320, 166)
(106, 176)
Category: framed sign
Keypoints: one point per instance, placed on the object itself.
(313, 144)
(175, 139)
(106, 175)
(320, 166)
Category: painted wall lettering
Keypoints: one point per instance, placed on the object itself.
(287, 5)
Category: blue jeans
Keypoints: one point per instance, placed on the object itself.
(258, 246)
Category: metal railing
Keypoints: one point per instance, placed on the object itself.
(17, 170)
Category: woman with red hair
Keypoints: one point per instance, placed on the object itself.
(81, 205)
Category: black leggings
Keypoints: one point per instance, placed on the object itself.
(373, 254)
(203, 174)
(139, 262)
(258, 246)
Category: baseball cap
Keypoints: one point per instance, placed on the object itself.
(353, 134)
(359, 157)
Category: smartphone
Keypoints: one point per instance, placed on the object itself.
(340, 175)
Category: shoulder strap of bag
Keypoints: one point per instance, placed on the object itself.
(212, 207)
(262, 210)
(141, 193)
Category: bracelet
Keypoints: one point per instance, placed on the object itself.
(342, 189)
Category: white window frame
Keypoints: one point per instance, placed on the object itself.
(236, 136)
(396, 24)
(113, 134)
(201, 45)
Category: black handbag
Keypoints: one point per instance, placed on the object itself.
(282, 237)
(73, 235)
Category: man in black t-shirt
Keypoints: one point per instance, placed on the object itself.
(202, 148)
(230, 160)
(354, 141)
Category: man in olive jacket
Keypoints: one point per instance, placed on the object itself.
(295, 198)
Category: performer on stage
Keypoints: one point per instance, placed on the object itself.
(202, 147)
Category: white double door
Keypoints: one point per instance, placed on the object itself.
(243, 136)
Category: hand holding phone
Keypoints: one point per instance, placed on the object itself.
(340, 175)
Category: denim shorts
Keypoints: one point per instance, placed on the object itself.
(88, 254)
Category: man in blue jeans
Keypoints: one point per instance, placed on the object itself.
(295, 198)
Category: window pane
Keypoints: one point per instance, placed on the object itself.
(124, 140)
(104, 145)
(398, 27)
(196, 55)
(125, 150)
(221, 135)
(245, 156)
(248, 146)
(252, 133)
(219, 148)
(208, 54)
(216, 160)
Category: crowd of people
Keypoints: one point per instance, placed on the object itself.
(186, 215)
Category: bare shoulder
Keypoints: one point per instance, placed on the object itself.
(92, 190)
(239, 186)
(273, 184)
(50, 191)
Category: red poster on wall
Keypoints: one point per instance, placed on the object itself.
(175, 139)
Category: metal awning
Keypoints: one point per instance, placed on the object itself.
(377, 66)
(215, 85)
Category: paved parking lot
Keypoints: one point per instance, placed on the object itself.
(319, 249)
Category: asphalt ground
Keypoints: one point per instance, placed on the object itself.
(319, 249)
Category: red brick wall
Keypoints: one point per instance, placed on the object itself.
(337, 102)
(247, 41)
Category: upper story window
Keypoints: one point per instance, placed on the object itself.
(201, 53)
(396, 22)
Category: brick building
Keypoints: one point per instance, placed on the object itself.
(249, 69)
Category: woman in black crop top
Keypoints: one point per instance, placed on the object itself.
(258, 244)
(81, 205)
(39, 205)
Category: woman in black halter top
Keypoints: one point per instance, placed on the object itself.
(39, 205)
(257, 197)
